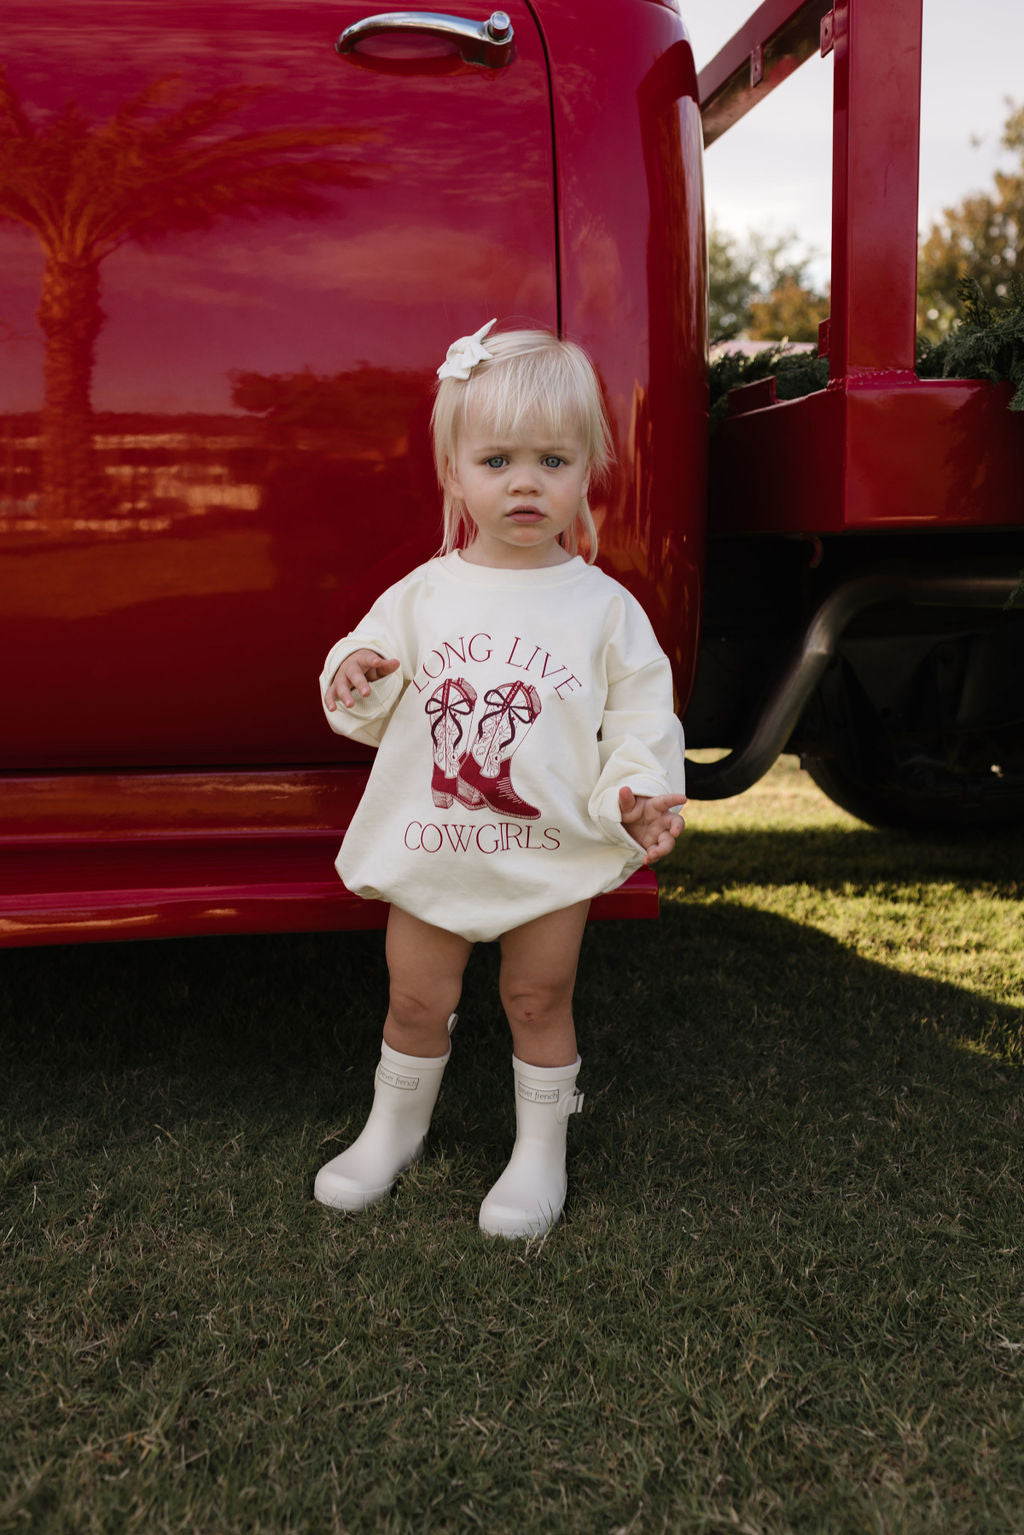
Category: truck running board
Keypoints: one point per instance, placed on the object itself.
(167, 855)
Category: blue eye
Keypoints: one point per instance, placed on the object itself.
(552, 461)
(497, 462)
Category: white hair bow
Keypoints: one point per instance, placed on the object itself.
(463, 355)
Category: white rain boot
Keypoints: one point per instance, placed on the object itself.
(527, 1199)
(405, 1091)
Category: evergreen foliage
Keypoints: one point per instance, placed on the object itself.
(796, 373)
(986, 342)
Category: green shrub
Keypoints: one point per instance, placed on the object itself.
(796, 373)
(986, 342)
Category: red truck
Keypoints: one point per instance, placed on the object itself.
(236, 242)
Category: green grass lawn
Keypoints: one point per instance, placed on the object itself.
(787, 1294)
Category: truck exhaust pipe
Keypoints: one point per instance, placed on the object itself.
(778, 718)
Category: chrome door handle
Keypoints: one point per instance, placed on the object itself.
(485, 42)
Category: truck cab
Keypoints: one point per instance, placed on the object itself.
(236, 243)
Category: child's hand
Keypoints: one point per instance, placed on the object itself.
(652, 821)
(354, 675)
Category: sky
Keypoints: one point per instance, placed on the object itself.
(773, 170)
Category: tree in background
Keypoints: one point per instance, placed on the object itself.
(760, 288)
(980, 239)
(791, 310)
(731, 286)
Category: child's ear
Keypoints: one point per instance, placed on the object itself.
(452, 482)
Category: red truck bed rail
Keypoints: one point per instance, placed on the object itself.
(928, 473)
(879, 448)
(875, 153)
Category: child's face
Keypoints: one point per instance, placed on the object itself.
(521, 492)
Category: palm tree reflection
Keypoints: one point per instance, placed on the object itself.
(159, 166)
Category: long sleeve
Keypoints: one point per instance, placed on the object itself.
(381, 631)
(641, 745)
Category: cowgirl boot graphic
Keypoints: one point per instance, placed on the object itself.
(450, 709)
(485, 772)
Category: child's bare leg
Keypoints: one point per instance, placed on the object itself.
(538, 974)
(426, 966)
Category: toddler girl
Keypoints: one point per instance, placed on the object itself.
(529, 758)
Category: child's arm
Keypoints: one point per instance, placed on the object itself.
(653, 821)
(355, 674)
(641, 748)
(364, 674)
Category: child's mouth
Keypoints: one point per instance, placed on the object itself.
(526, 514)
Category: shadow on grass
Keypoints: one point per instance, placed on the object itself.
(832, 857)
(785, 1295)
(717, 1012)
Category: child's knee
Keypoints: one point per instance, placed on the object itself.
(420, 1007)
(532, 1004)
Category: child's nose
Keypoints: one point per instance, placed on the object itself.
(524, 477)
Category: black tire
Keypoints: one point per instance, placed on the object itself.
(948, 807)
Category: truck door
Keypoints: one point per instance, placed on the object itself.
(230, 261)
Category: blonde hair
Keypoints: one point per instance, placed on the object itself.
(530, 376)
